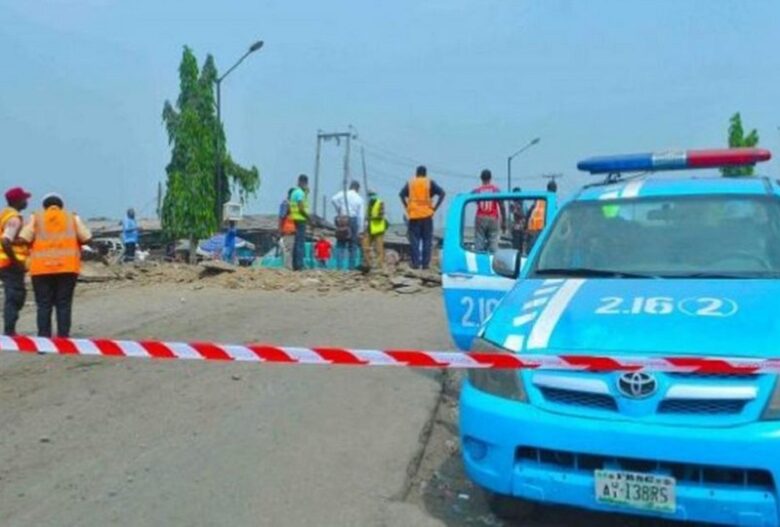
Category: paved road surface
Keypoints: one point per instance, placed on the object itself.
(93, 442)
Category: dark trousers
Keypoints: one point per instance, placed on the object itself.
(299, 245)
(421, 238)
(130, 251)
(54, 291)
(15, 295)
(518, 239)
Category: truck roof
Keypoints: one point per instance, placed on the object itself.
(658, 185)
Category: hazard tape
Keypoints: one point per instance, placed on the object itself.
(390, 357)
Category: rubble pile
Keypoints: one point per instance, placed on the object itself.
(399, 280)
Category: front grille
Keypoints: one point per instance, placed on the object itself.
(577, 398)
(702, 406)
(690, 473)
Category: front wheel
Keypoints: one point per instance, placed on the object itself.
(510, 507)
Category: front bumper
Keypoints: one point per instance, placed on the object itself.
(494, 431)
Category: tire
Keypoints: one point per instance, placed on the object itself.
(509, 507)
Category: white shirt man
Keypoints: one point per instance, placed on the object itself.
(353, 206)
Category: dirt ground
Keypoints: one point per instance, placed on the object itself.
(94, 442)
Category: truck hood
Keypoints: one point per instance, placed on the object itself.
(737, 318)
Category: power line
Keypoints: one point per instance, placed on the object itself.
(403, 160)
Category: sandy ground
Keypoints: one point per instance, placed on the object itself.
(94, 442)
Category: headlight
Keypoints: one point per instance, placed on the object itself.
(502, 383)
(772, 410)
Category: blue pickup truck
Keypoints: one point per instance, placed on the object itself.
(646, 262)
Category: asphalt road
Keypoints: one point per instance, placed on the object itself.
(92, 442)
(95, 442)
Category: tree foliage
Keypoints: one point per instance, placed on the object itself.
(195, 136)
(738, 139)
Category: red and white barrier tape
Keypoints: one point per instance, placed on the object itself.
(390, 357)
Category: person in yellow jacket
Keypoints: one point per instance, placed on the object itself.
(417, 198)
(299, 212)
(374, 238)
(56, 237)
(13, 257)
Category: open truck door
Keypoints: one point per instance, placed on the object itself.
(472, 290)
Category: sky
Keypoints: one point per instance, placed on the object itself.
(456, 84)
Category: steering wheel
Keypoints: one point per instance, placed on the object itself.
(745, 255)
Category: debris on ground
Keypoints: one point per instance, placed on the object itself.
(217, 266)
(399, 280)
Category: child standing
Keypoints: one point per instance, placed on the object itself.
(322, 251)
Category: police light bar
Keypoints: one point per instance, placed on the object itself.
(675, 160)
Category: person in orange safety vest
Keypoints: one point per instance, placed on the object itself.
(537, 217)
(56, 236)
(13, 257)
(417, 198)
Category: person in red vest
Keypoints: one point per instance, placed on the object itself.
(322, 251)
(489, 212)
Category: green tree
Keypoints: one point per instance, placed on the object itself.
(738, 139)
(189, 208)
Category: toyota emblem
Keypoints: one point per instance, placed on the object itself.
(637, 385)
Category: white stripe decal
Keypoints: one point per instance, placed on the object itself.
(482, 283)
(545, 325)
(536, 302)
(610, 195)
(631, 190)
(544, 291)
(524, 319)
(514, 342)
(553, 281)
(471, 262)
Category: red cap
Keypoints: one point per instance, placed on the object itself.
(17, 194)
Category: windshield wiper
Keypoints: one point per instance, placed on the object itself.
(586, 271)
(730, 276)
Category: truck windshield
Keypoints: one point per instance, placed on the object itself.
(671, 237)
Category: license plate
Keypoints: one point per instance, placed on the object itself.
(647, 492)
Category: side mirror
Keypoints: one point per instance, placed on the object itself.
(506, 263)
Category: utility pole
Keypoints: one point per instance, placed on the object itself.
(218, 149)
(317, 174)
(337, 136)
(509, 159)
(159, 199)
(365, 173)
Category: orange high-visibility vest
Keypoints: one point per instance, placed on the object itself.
(18, 245)
(288, 225)
(536, 221)
(420, 204)
(56, 248)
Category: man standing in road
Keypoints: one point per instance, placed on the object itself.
(56, 236)
(130, 235)
(517, 217)
(537, 217)
(299, 212)
(377, 226)
(417, 198)
(486, 222)
(286, 230)
(351, 206)
(13, 257)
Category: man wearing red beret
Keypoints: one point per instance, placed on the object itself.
(13, 257)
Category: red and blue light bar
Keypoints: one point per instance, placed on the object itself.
(675, 160)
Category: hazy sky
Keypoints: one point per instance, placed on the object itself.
(459, 84)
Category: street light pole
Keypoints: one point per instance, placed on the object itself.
(218, 177)
(509, 159)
